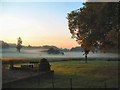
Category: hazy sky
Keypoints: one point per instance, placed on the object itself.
(37, 23)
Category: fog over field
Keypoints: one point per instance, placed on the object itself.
(37, 53)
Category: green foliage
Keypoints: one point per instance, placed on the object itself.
(95, 25)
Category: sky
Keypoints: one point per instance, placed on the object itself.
(37, 23)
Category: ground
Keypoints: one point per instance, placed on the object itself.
(94, 74)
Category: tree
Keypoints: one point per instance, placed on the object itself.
(76, 49)
(95, 25)
(4, 44)
(53, 51)
(19, 44)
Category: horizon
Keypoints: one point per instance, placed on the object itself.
(24, 19)
(38, 45)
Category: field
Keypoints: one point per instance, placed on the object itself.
(76, 74)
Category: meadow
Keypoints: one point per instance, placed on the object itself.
(76, 74)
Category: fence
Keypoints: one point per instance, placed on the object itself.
(55, 81)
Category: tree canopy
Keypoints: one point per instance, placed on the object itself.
(53, 51)
(95, 25)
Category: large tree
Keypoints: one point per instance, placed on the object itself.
(95, 25)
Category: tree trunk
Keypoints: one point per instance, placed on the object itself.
(85, 58)
(86, 53)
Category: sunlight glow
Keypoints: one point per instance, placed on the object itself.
(36, 23)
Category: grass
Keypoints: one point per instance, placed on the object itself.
(93, 74)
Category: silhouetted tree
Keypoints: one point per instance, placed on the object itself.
(95, 25)
(53, 51)
(19, 44)
(4, 44)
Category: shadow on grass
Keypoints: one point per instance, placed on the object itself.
(63, 81)
(95, 74)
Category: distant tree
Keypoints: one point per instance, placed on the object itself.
(19, 44)
(95, 25)
(29, 46)
(53, 51)
(48, 47)
(4, 45)
(65, 50)
(76, 49)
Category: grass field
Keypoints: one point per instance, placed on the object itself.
(94, 74)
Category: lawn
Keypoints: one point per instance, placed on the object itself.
(94, 74)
